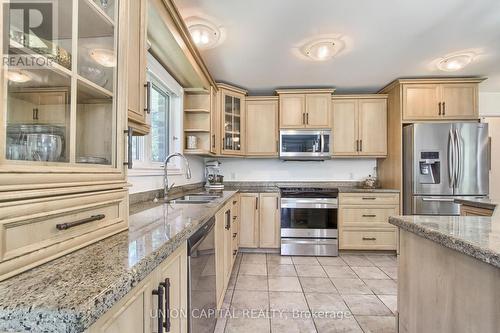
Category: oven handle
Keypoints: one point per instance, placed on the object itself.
(314, 203)
(332, 241)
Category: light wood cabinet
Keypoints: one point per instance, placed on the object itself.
(269, 220)
(260, 220)
(440, 101)
(137, 59)
(137, 312)
(364, 221)
(235, 226)
(360, 125)
(232, 107)
(249, 220)
(219, 255)
(262, 126)
(305, 108)
(474, 211)
(201, 119)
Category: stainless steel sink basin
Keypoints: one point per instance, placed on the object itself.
(195, 199)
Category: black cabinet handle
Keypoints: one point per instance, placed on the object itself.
(159, 293)
(369, 238)
(303, 119)
(235, 234)
(369, 215)
(307, 118)
(369, 198)
(228, 220)
(167, 323)
(148, 97)
(444, 109)
(35, 114)
(213, 141)
(129, 162)
(256, 203)
(361, 145)
(357, 145)
(235, 217)
(235, 252)
(65, 226)
(439, 104)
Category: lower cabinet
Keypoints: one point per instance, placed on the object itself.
(474, 211)
(259, 220)
(159, 299)
(364, 221)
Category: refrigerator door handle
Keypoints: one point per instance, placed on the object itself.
(451, 161)
(458, 157)
(438, 199)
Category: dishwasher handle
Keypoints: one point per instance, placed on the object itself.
(195, 240)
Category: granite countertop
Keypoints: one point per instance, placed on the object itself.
(478, 203)
(70, 293)
(478, 237)
(269, 186)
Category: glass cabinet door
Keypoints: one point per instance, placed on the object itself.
(59, 82)
(232, 123)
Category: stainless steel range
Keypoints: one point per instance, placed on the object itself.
(309, 221)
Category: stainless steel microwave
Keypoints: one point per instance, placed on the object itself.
(305, 144)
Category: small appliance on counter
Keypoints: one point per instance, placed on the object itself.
(215, 181)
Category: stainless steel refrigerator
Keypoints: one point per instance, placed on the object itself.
(442, 162)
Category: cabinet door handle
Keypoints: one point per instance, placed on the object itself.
(235, 252)
(148, 97)
(213, 141)
(167, 323)
(129, 162)
(444, 109)
(235, 234)
(357, 145)
(228, 220)
(369, 215)
(235, 217)
(277, 203)
(35, 114)
(235, 202)
(369, 238)
(368, 198)
(159, 293)
(303, 119)
(307, 118)
(65, 226)
(361, 145)
(439, 108)
(256, 203)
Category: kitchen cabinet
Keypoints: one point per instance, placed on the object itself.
(163, 291)
(445, 100)
(360, 126)
(219, 255)
(260, 220)
(364, 221)
(305, 108)
(64, 142)
(235, 227)
(466, 210)
(138, 88)
(232, 102)
(262, 126)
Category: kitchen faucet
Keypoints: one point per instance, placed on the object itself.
(166, 188)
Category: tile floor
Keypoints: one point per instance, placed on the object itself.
(349, 293)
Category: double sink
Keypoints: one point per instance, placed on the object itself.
(195, 198)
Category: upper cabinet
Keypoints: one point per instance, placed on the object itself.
(305, 108)
(262, 126)
(138, 88)
(232, 102)
(443, 99)
(62, 122)
(360, 125)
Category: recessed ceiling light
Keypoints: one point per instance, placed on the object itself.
(103, 57)
(18, 76)
(323, 49)
(205, 34)
(455, 62)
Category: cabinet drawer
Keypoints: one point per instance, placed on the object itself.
(369, 199)
(375, 216)
(368, 239)
(37, 231)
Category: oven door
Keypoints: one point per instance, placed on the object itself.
(309, 218)
(304, 145)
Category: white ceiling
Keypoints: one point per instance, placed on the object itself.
(388, 39)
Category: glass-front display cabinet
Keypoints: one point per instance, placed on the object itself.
(233, 117)
(61, 94)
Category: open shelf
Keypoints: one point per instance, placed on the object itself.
(197, 110)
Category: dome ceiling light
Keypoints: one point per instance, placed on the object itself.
(103, 57)
(323, 49)
(205, 34)
(18, 76)
(455, 62)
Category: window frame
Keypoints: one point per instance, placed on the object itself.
(144, 166)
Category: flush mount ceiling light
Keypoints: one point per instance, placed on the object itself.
(455, 62)
(103, 57)
(205, 34)
(323, 49)
(18, 76)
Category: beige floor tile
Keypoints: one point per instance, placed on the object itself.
(288, 323)
(382, 287)
(253, 258)
(281, 270)
(247, 325)
(250, 300)
(356, 260)
(284, 283)
(392, 272)
(279, 259)
(325, 303)
(251, 282)
(305, 260)
(343, 272)
(338, 325)
(383, 260)
(369, 272)
(366, 305)
(391, 301)
(351, 287)
(310, 270)
(287, 301)
(253, 269)
(331, 261)
(317, 285)
(377, 324)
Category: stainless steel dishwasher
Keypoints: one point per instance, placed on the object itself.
(201, 279)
